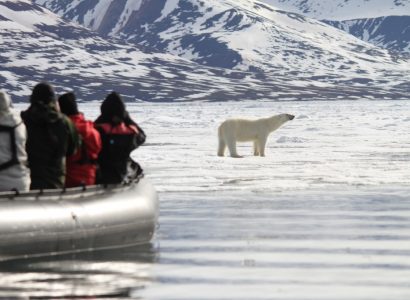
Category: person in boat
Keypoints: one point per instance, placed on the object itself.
(51, 137)
(14, 171)
(82, 165)
(120, 136)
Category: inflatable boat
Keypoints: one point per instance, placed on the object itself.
(50, 222)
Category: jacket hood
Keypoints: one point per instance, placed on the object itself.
(41, 113)
(113, 108)
(5, 103)
(44, 93)
(8, 117)
(68, 104)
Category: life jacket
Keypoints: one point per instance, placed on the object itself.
(13, 144)
(120, 129)
(118, 142)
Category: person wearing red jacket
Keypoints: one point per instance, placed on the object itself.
(82, 165)
(120, 135)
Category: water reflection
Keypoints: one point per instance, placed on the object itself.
(106, 274)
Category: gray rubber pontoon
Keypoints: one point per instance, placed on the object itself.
(78, 219)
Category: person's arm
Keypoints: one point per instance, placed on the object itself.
(94, 143)
(141, 137)
(74, 139)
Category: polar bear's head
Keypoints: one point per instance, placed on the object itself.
(276, 121)
(284, 117)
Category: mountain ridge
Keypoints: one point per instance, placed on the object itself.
(239, 34)
(297, 59)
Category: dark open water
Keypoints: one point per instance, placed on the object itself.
(242, 246)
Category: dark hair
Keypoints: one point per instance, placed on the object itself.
(113, 106)
(43, 92)
(68, 104)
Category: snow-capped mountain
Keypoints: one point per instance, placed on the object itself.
(340, 10)
(230, 50)
(384, 23)
(38, 45)
(236, 34)
(391, 32)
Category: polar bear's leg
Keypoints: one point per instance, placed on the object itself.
(255, 148)
(221, 147)
(232, 148)
(221, 142)
(261, 145)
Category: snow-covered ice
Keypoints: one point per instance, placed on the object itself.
(329, 145)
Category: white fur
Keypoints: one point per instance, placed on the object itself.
(243, 130)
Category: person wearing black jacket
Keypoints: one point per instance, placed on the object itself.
(51, 137)
(120, 135)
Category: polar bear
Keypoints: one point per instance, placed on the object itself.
(243, 130)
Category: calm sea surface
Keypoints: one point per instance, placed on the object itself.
(242, 246)
(326, 215)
